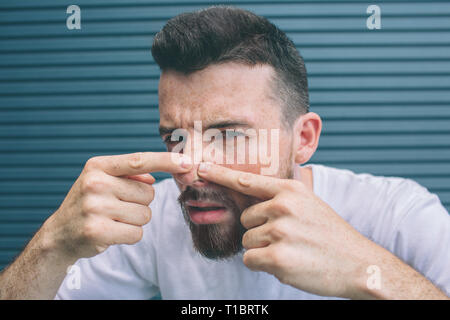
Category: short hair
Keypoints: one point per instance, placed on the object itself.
(192, 41)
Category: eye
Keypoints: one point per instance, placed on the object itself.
(233, 134)
(174, 145)
(169, 139)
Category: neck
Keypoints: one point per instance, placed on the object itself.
(304, 174)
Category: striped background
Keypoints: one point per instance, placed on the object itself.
(67, 95)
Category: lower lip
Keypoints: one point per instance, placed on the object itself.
(207, 217)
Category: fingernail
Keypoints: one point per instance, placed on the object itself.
(203, 167)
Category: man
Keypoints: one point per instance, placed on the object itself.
(225, 229)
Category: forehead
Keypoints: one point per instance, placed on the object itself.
(228, 91)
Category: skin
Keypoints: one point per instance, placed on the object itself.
(291, 234)
(299, 239)
(107, 204)
(224, 93)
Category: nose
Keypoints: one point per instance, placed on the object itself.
(195, 150)
(190, 178)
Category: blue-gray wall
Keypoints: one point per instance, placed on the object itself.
(67, 95)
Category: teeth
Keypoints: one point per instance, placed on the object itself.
(207, 208)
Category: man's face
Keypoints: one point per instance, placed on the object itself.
(227, 97)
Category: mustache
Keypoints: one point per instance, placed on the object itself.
(204, 194)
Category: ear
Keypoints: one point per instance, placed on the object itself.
(306, 131)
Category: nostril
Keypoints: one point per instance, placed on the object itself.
(199, 183)
(189, 179)
(183, 178)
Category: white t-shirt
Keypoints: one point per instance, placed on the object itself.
(397, 213)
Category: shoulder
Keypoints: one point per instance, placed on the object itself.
(374, 205)
(346, 179)
(346, 184)
(339, 176)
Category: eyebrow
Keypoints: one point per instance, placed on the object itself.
(165, 130)
(217, 125)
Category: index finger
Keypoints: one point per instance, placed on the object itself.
(141, 162)
(256, 185)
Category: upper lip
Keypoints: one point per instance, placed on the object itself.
(202, 204)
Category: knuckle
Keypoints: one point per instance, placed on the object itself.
(290, 185)
(93, 163)
(275, 258)
(248, 259)
(90, 205)
(244, 218)
(147, 215)
(245, 179)
(91, 183)
(91, 230)
(279, 206)
(276, 232)
(136, 160)
(150, 194)
(136, 235)
(246, 240)
(298, 185)
(295, 186)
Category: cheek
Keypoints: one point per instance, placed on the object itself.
(243, 158)
(252, 168)
(182, 180)
(244, 201)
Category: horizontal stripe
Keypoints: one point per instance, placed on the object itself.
(68, 95)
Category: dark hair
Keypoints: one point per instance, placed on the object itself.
(192, 41)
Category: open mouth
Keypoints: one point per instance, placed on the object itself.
(205, 209)
(205, 213)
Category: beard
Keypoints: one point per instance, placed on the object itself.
(220, 241)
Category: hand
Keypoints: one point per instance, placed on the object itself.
(109, 203)
(296, 236)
